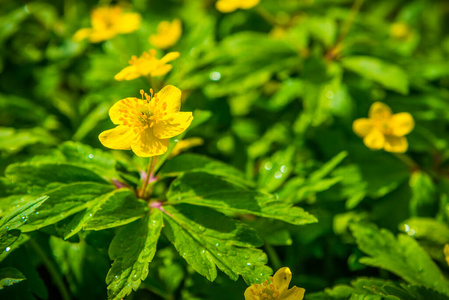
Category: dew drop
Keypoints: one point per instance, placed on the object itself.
(268, 166)
(215, 76)
(7, 249)
(277, 175)
(283, 168)
(91, 156)
(201, 228)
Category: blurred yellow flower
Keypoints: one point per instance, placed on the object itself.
(185, 145)
(400, 30)
(167, 35)
(144, 126)
(277, 289)
(107, 22)
(226, 6)
(147, 64)
(383, 130)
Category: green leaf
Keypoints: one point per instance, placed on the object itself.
(41, 175)
(10, 276)
(388, 75)
(206, 238)
(63, 202)
(215, 192)
(186, 163)
(11, 241)
(328, 166)
(402, 256)
(374, 288)
(19, 216)
(90, 158)
(274, 171)
(114, 209)
(426, 228)
(13, 140)
(132, 249)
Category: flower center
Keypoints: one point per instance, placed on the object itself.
(384, 126)
(265, 291)
(142, 114)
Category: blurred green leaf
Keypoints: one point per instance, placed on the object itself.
(390, 76)
(402, 256)
(423, 202)
(426, 228)
(10, 276)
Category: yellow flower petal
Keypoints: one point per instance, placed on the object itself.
(172, 125)
(101, 35)
(282, 278)
(119, 138)
(375, 140)
(128, 73)
(295, 293)
(82, 34)
(161, 70)
(169, 57)
(362, 126)
(395, 144)
(116, 111)
(379, 111)
(146, 144)
(167, 34)
(401, 124)
(247, 4)
(170, 97)
(129, 22)
(227, 6)
(185, 145)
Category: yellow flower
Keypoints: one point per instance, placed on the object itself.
(167, 34)
(147, 64)
(277, 289)
(446, 253)
(383, 130)
(146, 125)
(226, 6)
(107, 22)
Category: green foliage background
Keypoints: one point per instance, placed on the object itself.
(281, 179)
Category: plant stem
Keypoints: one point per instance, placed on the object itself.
(153, 85)
(274, 258)
(147, 179)
(349, 21)
(50, 266)
(407, 160)
(345, 28)
(267, 16)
